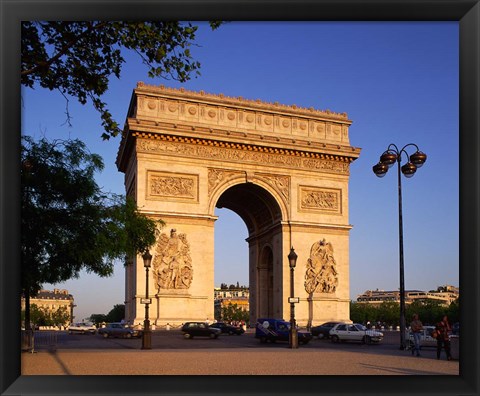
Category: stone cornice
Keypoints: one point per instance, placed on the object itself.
(221, 99)
(235, 123)
(246, 147)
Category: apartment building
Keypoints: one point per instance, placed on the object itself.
(224, 297)
(444, 294)
(52, 300)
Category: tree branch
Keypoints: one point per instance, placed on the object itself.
(62, 52)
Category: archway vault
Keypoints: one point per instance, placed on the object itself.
(256, 202)
(284, 170)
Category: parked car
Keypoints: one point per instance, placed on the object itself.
(354, 332)
(228, 329)
(323, 330)
(82, 328)
(199, 329)
(426, 339)
(278, 330)
(119, 330)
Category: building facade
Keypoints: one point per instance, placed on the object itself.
(224, 297)
(444, 294)
(52, 300)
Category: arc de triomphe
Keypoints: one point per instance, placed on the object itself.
(283, 169)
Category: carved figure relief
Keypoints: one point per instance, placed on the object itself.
(172, 186)
(325, 200)
(321, 274)
(172, 264)
(280, 183)
(233, 154)
(216, 177)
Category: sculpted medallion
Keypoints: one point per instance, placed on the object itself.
(172, 264)
(321, 273)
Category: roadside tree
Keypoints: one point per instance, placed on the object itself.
(232, 312)
(68, 223)
(79, 58)
(97, 319)
(116, 314)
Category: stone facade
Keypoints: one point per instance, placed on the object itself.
(283, 169)
(52, 300)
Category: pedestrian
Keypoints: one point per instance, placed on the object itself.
(443, 329)
(416, 328)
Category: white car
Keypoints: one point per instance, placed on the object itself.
(82, 328)
(354, 332)
(426, 338)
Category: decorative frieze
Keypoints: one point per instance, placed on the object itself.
(218, 177)
(161, 185)
(321, 274)
(320, 199)
(172, 263)
(241, 115)
(247, 154)
(280, 183)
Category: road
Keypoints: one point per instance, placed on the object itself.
(228, 355)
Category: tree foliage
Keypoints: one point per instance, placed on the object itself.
(41, 316)
(388, 313)
(97, 319)
(78, 58)
(68, 223)
(116, 314)
(232, 312)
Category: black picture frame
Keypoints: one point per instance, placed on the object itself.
(467, 12)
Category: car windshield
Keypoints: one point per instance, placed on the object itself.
(283, 326)
(360, 327)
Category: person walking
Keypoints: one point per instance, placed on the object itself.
(443, 337)
(416, 327)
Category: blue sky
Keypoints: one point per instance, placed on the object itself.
(398, 83)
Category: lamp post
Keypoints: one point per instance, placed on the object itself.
(293, 339)
(147, 333)
(416, 160)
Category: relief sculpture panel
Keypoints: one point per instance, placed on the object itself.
(278, 182)
(217, 177)
(321, 273)
(172, 264)
(236, 155)
(168, 185)
(320, 199)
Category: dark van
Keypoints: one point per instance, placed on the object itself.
(277, 330)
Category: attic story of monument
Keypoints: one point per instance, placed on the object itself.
(283, 169)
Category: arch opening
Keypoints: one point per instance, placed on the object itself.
(262, 216)
(256, 206)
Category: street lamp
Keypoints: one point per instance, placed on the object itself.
(292, 260)
(147, 333)
(416, 160)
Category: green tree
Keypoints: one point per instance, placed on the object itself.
(389, 313)
(39, 316)
(232, 312)
(78, 58)
(116, 314)
(68, 223)
(96, 319)
(453, 311)
(61, 317)
(363, 312)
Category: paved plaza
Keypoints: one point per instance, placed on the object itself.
(171, 354)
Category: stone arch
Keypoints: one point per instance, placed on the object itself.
(263, 216)
(266, 283)
(284, 169)
(239, 179)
